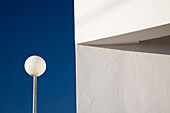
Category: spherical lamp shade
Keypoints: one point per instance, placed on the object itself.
(35, 65)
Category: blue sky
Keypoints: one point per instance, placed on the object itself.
(45, 28)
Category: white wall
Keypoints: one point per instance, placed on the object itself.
(122, 78)
(98, 19)
(110, 80)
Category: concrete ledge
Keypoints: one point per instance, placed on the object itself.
(104, 22)
(133, 37)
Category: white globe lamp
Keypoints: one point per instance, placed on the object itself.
(35, 66)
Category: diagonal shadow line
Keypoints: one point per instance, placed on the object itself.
(157, 46)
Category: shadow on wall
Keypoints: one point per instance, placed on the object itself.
(158, 46)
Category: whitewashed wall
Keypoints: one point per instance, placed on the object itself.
(122, 78)
(123, 81)
(100, 19)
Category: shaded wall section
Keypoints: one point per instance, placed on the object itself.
(124, 79)
(158, 45)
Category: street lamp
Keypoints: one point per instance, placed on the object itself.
(35, 66)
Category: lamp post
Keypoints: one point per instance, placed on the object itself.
(35, 66)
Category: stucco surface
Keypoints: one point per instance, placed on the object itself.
(98, 19)
(119, 81)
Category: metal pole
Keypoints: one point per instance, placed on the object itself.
(34, 94)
